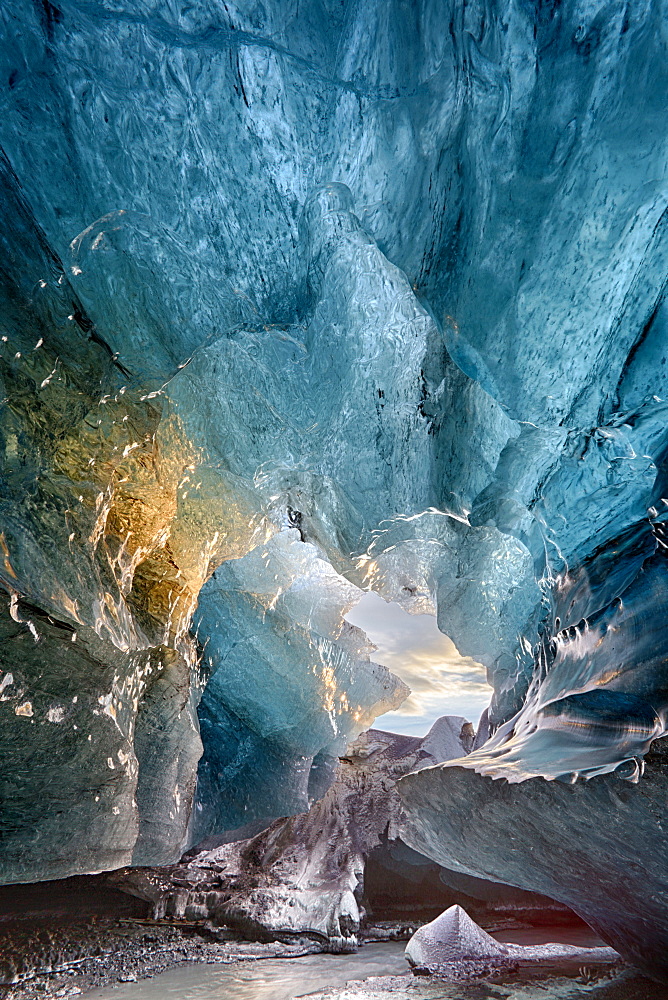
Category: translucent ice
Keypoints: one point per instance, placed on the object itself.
(373, 288)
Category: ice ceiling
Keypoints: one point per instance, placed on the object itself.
(300, 300)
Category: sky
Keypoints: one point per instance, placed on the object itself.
(441, 681)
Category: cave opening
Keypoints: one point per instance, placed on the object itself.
(442, 681)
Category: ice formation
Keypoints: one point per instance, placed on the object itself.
(454, 936)
(595, 845)
(304, 875)
(298, 299)
(328, 872)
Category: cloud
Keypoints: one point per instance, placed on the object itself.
(441, 681)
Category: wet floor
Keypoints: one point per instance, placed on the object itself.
(267, 979)
(285, 979)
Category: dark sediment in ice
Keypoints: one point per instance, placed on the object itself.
(306, 875)
(595, 845)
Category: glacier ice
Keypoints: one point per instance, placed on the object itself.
(294, 680)
(375, 289)
(309, 874)
(596, 845)
(454, 936)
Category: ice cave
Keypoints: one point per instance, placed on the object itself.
(334, 499)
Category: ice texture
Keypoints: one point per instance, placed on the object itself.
(299, 299)
(306, 874)
(596, 845)
(289, 682)
(453, 936)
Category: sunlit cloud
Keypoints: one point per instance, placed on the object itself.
(441, 681)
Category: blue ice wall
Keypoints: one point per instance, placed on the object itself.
(305, 298)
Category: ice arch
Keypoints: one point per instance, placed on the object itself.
(389, 279)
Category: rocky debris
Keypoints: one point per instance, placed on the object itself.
(59, 960)
(390, 930)
(602, 983)
(383, 988)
